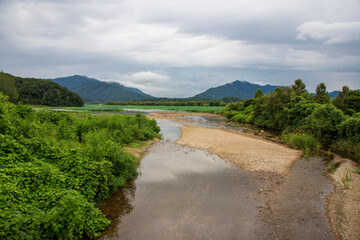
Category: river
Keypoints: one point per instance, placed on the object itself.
(186, 193)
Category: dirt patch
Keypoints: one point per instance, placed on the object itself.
(343, 208)
(248, 152)
(138, 152)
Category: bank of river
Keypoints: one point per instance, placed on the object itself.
(187, 193)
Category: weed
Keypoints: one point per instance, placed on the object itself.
(346, 179)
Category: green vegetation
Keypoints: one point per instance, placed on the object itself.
(302, 141)
(206, 109)
(346, 179)
(306, 120)
(56, 168)
(207, 103)
(97, 108)
(37, 91)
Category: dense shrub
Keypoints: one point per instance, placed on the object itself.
(302, 141)
(323, 121)
(56, 167)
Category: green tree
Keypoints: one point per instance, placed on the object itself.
(299, 87)
(322, 96)
(258, 93)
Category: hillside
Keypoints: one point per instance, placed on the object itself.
(37, 91)
(93, 90)
(240, 89)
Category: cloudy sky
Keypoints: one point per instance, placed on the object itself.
(182, 47)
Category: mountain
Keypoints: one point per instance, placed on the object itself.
(37, 91)
(334, 94)
(240, 89)
(93, 90)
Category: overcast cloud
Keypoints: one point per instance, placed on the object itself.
(181, 48)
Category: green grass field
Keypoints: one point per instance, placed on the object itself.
(122, 108)
(177, 108)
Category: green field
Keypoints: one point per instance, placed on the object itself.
(177, 108)
(100, 108)
(121, 108)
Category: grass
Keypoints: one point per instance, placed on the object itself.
(346, 179)
(207, 109)
(100, 108)
(302, 141)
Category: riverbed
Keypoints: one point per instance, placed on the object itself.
(183, 192)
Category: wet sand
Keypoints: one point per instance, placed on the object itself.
(248, 153)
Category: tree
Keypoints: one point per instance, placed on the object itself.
(299, 88)
(322, 96)
(258, 93)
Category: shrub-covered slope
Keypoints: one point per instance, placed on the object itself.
(37, 91)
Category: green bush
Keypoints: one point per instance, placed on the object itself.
(323, 121)
(302, 141)
(56, 167)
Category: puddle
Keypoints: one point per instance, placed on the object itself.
(185, 193)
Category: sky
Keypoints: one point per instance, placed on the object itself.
(180, 48)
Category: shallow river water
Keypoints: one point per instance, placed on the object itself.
(185, 193)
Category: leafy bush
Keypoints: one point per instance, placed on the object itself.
(55, 168)
(302, 141)
(323, 121)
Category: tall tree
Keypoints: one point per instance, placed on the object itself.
(322, 96)
(299, 87)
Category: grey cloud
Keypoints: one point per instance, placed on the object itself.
(191, 45)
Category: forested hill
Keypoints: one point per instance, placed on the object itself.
(37, 91)
(93, 90)
(240, 89)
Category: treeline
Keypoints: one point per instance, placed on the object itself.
(37, 91)
(152, 103)
(306, 120)
(56, 168)
(193, 101)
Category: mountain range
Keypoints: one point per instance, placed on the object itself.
(93, 90)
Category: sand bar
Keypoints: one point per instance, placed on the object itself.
(247, 152)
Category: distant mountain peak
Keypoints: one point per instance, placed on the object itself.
(237, 88)
(93, 90)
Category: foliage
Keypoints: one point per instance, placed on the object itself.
(322, 96)
(176, 103)
(207, 109)
(323, 121)
(302, 141)
(348, 101)
(292, 110)
(37, 91)
(56, 167)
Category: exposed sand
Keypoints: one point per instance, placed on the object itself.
(343, 207)
(247, 152)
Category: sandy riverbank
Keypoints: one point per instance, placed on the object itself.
(248, 153)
